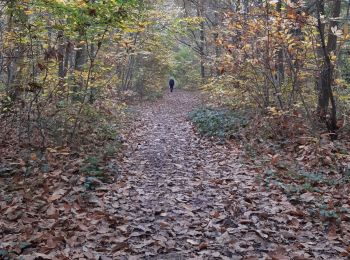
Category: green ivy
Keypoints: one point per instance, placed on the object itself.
(220, 123)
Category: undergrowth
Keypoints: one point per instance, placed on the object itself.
(219, 123)
(286, 155)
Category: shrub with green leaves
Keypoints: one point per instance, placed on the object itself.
(220, 123)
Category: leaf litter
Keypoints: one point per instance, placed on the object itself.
(176, 196)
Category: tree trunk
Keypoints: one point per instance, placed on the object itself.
(280, 56)
(326, 74)
(80, 60)
(61, 55)
(202, 40)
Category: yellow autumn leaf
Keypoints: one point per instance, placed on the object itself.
(28, 12)
(346, 29)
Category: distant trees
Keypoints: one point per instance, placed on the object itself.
(275, 54)
(61, 61)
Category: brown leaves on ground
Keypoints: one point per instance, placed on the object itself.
(53, 216)
(312, 172)
(176, 196)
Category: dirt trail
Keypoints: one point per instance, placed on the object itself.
(180, 197)
(174, 196)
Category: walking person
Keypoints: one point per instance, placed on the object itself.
(171, 84)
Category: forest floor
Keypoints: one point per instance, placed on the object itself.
(176, 196)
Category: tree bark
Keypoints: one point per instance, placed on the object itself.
(326, 74)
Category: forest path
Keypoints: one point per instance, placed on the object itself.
(181, 196)
(174, 195)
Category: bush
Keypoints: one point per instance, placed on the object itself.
(220, 123)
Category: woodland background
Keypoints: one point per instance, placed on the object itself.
(274, 76)
(77, 59)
